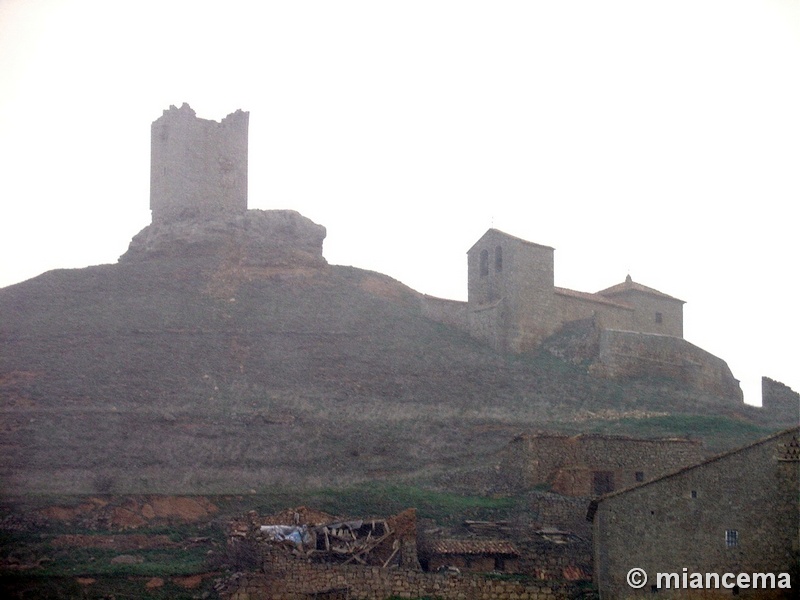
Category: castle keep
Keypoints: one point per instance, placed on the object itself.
(198, 168)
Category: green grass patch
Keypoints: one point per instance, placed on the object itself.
(384, 499)
(379, 499)
(94, 562)
(718, 433)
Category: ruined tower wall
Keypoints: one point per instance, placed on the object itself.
(198, 167)
(780, 402)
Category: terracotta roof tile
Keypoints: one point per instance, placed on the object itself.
(472, 547)
(631, 286)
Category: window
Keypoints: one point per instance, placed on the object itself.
(484, 263)
(498, 259)
(639, 476)
(694, 493)
(659, 317)
(731, 538)
(602, 482)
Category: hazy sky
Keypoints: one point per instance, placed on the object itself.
(660, 139)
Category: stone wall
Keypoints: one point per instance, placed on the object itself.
(780, 402)
(303, 581)
(449, 312)
(574, 306)
(735, 513)
(198, 168)
(632, 354)
(547, 510)
(553, 556)
(570, 464)
(520, 274)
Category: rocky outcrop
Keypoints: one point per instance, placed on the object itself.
(278, 238)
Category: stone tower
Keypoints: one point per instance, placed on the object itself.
(198, 168)
(510, 291)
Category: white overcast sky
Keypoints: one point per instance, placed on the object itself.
(660, 139)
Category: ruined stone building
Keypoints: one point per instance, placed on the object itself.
(593, 464)
(735, 513)
(780, 402)
(198, 168)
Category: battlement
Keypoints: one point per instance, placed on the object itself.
(198, 167)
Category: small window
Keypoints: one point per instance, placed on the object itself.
(731, 538)
(694, 493)
(484, 263)
(659, 317)
(639, 476)
(498, 259)
(602, 482)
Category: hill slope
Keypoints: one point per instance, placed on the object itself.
(209, 365)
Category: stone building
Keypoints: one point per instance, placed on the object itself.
(514, 306)
(591, 464)
(477, 556)
(735, 513)
(198, 168)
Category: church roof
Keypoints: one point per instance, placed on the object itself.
(631, 286)
(494, 232)
(591, 297)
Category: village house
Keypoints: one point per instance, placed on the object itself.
(736, 513)
(479, 556)
(592, 464)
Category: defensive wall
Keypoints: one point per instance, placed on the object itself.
(632, 354)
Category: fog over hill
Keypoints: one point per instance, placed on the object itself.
(228, 355)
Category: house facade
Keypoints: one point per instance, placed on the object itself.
(588, 465)
(737, 514)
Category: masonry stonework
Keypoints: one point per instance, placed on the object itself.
(514, 306)
(588, 465)
(780, 402)
(198, 168)
(630, 354)
(735, 513)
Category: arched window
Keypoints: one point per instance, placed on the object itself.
(484, 263)
(498, 259)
